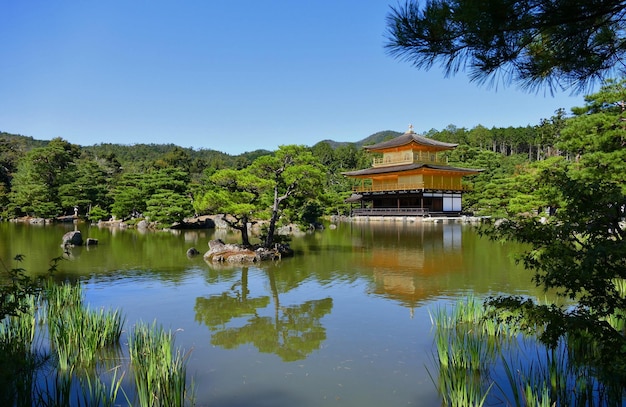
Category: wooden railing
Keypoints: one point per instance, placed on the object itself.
(422, 157)
(390, 212)
(410, 186)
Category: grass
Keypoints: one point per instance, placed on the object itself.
(19, 355)
(483, 362)
(463, 353)
(159, 370)
(83, 342)
(78, 333)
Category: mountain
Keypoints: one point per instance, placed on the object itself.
(143, 151)
(372, 139)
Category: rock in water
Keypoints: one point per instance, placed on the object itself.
(74, 238)
(230, 253)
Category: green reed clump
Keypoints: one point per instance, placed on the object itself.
(465, 349)
(20, 356)
(19, 330)
(159, 370)
(96, 393)
(476, 353)
(76, 332)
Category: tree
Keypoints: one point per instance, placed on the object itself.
(293, 172)
(238, 194)
(87, 187)
(128, 196)
(38, 178)
(548, 134)
(162, 195)
(580, 251)
(10, 153)
(558, 44)
(596, 136)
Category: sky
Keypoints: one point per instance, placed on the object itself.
(231, 76)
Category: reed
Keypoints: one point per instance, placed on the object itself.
(464, 352)
(95, 393)
(19, 331)
(524, 371)
(76, 332)
(159, 370)
(20, 356)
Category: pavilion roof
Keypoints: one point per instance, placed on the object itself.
(408, 167)
(410, 137)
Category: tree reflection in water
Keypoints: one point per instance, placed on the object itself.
(292, 333)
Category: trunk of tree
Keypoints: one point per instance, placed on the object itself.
(245, 240)
(538, 151)
(269, 239)
(242, 226)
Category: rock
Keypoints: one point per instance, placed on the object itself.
(219, 222)
(276, 253)
(91, 241)
(200, 222)
(221, 252)
(74, 238)
(142, 224)
(192, 252)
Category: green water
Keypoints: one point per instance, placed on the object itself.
(344, 322)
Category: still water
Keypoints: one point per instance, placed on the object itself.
(345, 322)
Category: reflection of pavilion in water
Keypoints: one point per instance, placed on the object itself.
(416, 269)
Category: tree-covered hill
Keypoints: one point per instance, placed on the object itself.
(371, 139)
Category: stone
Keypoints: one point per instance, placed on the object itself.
(221, 252)
(74, 238)
(91, 241)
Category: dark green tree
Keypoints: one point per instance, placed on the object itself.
(128, 196)
(293, 171)
(39, 175)
(161, 195)
(536, 43)
(580, 252)
(238, 195)
(11, 152)
(86, 187)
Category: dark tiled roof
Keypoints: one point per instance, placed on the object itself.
(409, 137)
(407, 167)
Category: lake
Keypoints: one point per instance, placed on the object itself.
(345, 322)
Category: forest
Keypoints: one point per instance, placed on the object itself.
(167, 183)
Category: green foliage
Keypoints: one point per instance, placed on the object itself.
(579, 252)
(128, 196)
(17, 286)
(162, 195)
(596, 136)
(238, 194)
(167, 207)
(557, 44)
(97, 214)
(294, 173)
(35, 186)
(86, 187)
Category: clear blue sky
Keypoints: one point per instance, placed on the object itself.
(232, 76)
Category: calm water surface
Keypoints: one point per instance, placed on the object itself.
(343, 323)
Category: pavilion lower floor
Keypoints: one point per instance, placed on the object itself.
(406, 204)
